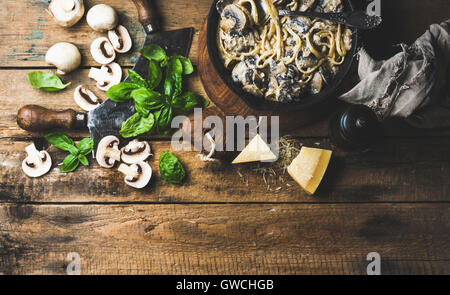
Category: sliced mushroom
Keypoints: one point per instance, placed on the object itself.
(120, 39)
(107, 76)
(137, 175)
(64, 56)
(108, 152)
(37, 162)
(103, 51)
(307, 5)
(136, 151)
(85, 98)
(102, 18)
(235, 19)
(66, 12)
(330, 6)
(316, 83)
(348, 39)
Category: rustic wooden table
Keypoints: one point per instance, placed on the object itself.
(393, 200)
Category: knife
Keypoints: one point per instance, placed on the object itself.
(107, 119)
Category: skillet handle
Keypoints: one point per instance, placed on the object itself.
(148, 16)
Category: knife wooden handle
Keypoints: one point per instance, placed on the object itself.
(148, 16)
(35, 118)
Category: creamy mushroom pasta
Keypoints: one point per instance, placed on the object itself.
(281, 58)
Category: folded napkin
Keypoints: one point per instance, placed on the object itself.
(413, 84)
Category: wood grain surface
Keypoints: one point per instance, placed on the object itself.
(393, 200)
(224, 239)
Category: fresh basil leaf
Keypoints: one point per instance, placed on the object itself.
(83, 160)
(154, 52)
(147, 100)
(121, 92)
(137, 79)
(137, 125)
(164, 119)
(188, 68)
(61, 141)
(173, 83)
(171, 169)
(70, 163)
(86, 146)
(186, 103)
(154, 74)
(46, 81)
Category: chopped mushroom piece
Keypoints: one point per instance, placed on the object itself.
(136, 151)
(120, 39)
(137, 175)
(66, 12)
(235, 19)
(103, 51)
(102, 18)
(107, 76)
(108, 152)
(64, 56)
(37, 162)
(85, 98)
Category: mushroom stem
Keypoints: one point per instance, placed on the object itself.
(130, 171)
(113, 154)
(97, 74)
(34, 156)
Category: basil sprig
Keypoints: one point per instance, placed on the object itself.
(77, 153)
(46, 81)
(171, 168)
(156, 107)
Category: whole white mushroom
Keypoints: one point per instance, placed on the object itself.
(66, 12)
(64, 56)
(102, 18)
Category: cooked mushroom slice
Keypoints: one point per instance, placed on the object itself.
(330, 5)
(108, 152)
(66, 12)
(103, 51)
(137, 175)
(307, 5)
(102, 18)
(135, 151)
(120, 39)
(107, 76)
(316, 83)
(85, 98)
(299, 24)
(348, 39)
(37, 162)
(64, 56)
(327, 74)
(235, 19)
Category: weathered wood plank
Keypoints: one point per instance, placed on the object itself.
(225, 239)
(398, 170)
(34, 31)
(16, 92)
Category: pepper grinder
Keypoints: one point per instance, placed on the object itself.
(355, 128)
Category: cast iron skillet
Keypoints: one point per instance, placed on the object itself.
(260, 104)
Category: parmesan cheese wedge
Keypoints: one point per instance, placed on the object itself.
(257, 150)
(309, 168)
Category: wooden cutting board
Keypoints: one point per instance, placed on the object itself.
(230, 104)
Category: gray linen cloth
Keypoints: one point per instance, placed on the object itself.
(413, 84)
